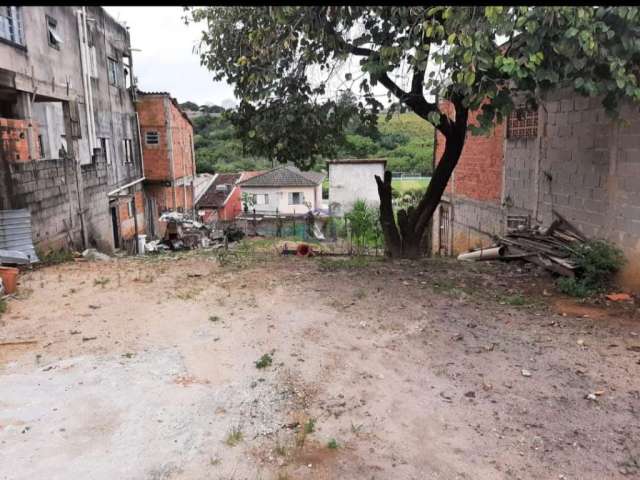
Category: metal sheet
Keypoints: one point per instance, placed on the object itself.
(15, 232)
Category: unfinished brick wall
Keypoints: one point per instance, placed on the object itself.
(474, 190)
(163, 196)
(152, 115)
(14, 135)
(478, 174)
(127, 222)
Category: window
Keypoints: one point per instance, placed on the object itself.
(128, 151)
(104, 146)
(130, 208)
(11, 25)
(261, 199)
(113, 69)
(152, 138)
(52, 32)
(93, 62)
(296, 198)
(522, 123)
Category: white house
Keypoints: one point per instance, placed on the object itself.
(285, 189)
(351, 180)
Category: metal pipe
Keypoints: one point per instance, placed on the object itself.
(125, 186)
(491, 253)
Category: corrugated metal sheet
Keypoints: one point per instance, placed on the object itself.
(15, 232)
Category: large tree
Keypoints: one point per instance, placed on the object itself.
(475, 58)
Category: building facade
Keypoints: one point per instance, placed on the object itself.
(567, 157)
(169, 160)
(68, 126)
(285, 190)
(351, 180)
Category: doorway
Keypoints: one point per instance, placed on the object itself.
(116, 230)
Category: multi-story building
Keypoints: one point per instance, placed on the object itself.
(69, 149)
(167, 145)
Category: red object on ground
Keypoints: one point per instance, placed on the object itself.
(303, 250)
(618, 297)
(9, 278)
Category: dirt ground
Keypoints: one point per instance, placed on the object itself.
(145, 369)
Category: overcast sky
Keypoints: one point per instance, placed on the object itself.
(166, 61)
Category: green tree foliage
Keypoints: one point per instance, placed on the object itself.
(189, 106)
(287, 55)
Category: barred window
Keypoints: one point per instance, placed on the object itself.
(152, 138)
(522, 123)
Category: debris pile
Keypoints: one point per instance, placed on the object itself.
(551, 249)
(182, 232)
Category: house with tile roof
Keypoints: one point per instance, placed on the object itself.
(285, 190)
(218, 198)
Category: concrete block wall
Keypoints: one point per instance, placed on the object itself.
(589, 172)
(48, 189)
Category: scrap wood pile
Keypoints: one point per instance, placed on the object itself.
(551, 249)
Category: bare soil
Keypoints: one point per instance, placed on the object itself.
(145, 369)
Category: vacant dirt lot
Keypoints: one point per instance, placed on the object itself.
(145, 369)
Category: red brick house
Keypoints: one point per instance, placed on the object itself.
(167, 146)
(222, 201)
(567, 157)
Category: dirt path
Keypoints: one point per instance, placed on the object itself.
(145, 369)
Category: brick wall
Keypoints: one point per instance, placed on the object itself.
(478, 174)
(127, 222)
(14, 135)
(163, 196)
(151, 112)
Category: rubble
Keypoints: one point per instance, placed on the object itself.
(551, 249)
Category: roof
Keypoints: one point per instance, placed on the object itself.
(359, 160)
(285, 176)
(214, 198)
(247, 175)
(173, 100)
(201, 184)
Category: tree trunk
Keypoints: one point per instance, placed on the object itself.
(404, 239)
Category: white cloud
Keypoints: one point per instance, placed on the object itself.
(166, 60)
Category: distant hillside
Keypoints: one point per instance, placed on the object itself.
(405, 140)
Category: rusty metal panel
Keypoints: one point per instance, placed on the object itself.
(15, 232)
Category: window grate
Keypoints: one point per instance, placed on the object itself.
(522, 123)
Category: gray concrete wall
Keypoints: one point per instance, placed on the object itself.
(52, 77)
(48, 189)
(589, 172)
(349, 182)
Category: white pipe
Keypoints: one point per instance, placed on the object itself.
(86, 78)
(483, 254)
(125, 186)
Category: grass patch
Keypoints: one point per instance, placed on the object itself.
(264, 361)
(234, 436)
(514, 300)
(333, 444)
(3, 306)
(310, 426)
(54, 257)
(102, 281)
(351, 263)
(214, 318)
(409, 185)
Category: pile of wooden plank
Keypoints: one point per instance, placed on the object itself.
(551, 249)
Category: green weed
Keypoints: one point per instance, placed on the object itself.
(102, 281)
(264, 361)
(332, 444)
(234, 436)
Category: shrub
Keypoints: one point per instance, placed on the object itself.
(364, 224)
(596, 263)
